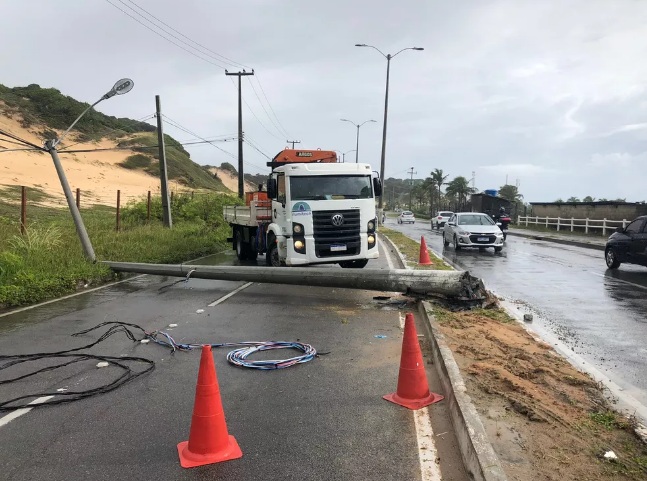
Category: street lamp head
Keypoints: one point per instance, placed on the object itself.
(361, 45)
(121, 87)
(418, 48)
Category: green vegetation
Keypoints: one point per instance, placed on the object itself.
(410, 249)
(48, 261)
(50, 107)
(14, 192)
(179, 166)
(137, 161)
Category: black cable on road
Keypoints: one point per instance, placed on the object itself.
(60, 397)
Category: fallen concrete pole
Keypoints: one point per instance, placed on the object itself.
(450, 284)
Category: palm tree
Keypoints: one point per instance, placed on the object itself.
(511, 193)
(459, 188)
(573, 199)
(437, 179)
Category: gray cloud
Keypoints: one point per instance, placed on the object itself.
(551, 93)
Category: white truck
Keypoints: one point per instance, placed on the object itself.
(314, 212)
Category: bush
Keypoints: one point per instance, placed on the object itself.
(136, 161)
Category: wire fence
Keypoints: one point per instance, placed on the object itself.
(120, 202)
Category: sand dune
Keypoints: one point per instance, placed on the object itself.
(97, 174)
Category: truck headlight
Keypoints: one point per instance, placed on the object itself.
(299, 245)
(371, 239)
(297, 228)
(371, 225)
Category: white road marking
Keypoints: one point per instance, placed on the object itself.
(429, 469)
(232, 293)
(69, 296)
(388, 257)
(19, 412)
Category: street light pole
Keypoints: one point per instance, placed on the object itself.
(344, 155)
(386, 105)
(357, 141)
(121, 87)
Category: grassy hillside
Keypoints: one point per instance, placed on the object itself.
(44, 110)
(179, 166)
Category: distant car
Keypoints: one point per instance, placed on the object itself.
(471, 229)
(440, 219)
(628, 245)
(406, 216)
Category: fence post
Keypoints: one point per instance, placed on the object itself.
(148, 208)
(624, 223)
(572, 223)
(192, 192)
(526, 221)
(171, 197)
(586, 228)
(546, 222)
(518, 220)
(604, 227)
(558, 219)
(23, 209)
(118, 210)
(536, 220)
(78, 198)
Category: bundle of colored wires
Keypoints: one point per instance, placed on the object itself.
(239, 357)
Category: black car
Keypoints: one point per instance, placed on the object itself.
(628, 245)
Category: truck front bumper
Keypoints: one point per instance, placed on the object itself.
(295, 258)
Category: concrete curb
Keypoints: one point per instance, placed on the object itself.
(557, 240)
(477, 453)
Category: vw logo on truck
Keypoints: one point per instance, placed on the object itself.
(337, 220)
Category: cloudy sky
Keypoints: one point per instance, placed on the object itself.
(547, 93)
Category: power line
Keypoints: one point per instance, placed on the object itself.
(270, 105)
(221, 58)
(22, 141)
(248, 142)
(265, 110)
(255, 116)
(178, 126)
(165, 38)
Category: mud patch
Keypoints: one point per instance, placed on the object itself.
(545, 419)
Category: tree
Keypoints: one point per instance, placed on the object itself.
(459, 188)
(572, 199)
(602, 199)
(588, 198)
(437, 181)
(511, 193)
(559, 201)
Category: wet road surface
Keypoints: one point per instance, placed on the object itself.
(322, 420)
(596, 316)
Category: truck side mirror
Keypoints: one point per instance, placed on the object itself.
(271, 188)
(377, 187)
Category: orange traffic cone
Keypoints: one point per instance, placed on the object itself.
(413, 390)
(209, 442)
(424, 253)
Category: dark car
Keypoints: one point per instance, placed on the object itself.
(628, 245)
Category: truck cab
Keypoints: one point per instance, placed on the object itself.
(322, 213)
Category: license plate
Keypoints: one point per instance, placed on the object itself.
(337, 247)
(483, 239)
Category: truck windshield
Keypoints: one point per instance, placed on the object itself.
(331, 187)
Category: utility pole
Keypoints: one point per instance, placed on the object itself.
(166, 206)
(474, 181)
(293, 142)
(411, 188)
(241, 183)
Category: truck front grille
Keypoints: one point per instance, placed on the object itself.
(327, 234)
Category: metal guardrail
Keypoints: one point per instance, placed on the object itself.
(573, 223)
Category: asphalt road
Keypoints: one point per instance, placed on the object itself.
(323, 420)
(594, 315)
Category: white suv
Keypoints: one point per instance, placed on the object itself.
(440, 219)
(406, 216)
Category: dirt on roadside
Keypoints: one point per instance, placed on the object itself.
(545, 419)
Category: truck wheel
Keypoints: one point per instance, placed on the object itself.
(358, 264)
(272, 258)
(242, 248)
